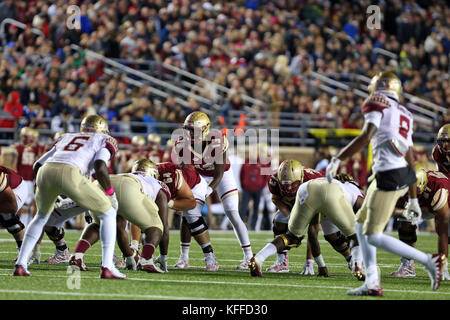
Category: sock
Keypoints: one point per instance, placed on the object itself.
(248, 253)
(61, 247)
(108, 236)
(206, 248)
(184, 247)
(258, 222)
(267, 251)
(81, 247)
(31, 237)
(147, 251)
(369, 253)
(397, 247)
(240, 231)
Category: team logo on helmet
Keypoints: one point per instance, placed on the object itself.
(197, 124)
(387, 81)
(290, 175)
(94, 123)
(444, 136)
(147, 166)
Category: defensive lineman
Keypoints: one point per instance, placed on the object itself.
(63, 172)
(388, 125)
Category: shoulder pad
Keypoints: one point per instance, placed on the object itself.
(440, 198)
(375, 102)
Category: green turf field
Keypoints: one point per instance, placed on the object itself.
(51, 281)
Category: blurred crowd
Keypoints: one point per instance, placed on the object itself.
(263, 49)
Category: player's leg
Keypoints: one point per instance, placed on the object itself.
(136, 235)
(408, 234)
(228, 193)
(280, 223)
(185, 244)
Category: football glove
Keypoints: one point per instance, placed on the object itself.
(162, 261)
(114, 202)
(308, 268)
(412, 212)
(332, 168)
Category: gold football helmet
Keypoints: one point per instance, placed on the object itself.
(422, 180)
(385, 81)
(154, 138)
(197, 122)
(138, 141)
(94, 123)
(290, 175)
(147, 166)
(443, 138)
(26, 131)
(35, 134)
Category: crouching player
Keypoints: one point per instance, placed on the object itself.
(432, 191)
(142, 201)
(332, 200)
(12, 195)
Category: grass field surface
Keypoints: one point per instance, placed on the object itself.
(55, 281)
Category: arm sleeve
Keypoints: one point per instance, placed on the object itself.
(373, 117)
(46, 156)
(103, 154)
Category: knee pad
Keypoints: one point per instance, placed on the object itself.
(278, 230)
(290, 240)
(340, 244)
(55, 234)
(197, 227)
(11, 222)
(408, 235)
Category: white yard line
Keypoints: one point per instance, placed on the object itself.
(92, 294)
(255, 284)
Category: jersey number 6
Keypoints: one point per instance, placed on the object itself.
(76, 143)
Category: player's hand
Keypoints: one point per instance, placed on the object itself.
(114, 202)
(88, 218)
(332, 168)
(308, 268)
(162, 261)
(413, 213)
(323, 272)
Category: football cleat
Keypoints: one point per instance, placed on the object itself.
(211, 262)
(255, 267)
(78, 262)
(281, 265)
(406, 269)
(365, 290)
(59, 257)
(148, 265)
(119, 264)
(308, 268)
(111, 273)
(434, 269)
(182, 263)
(243, 265)
(20, 271)
(162, 262)
(357, 270)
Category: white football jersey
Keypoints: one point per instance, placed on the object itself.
(395, 124)
(81, 150)
(150, 185)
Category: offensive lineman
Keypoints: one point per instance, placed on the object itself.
(441, 151)
(207, 152)
(63, 172)
(389, 126)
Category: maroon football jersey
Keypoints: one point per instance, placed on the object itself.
(14, 179)
(26, 156)
(172, 176)
(190, 175)
(442, 160)
(436, 191)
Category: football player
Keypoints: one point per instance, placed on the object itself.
(315, 196)
(62, 171)
(206, 150)
(12, 195)
(182, 199)
(194, 224)
(155, 153)
(441, 151)
(432, 190)
(143, 201)
(388, 125)
(137, 151)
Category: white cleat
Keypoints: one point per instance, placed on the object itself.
(59, 257)
(182, 263)
(308, 268)
(406, 269)
(243, 265)
(211, 262)
(281, 265)
(149, 266)
(366, 290)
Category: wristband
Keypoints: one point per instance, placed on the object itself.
(110, 191)
(170, 204)
(319, 261)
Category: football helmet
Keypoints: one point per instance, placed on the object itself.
(422, 180)
(290, 176)
(94, 123)
(58, 135)
(387, 81)
(27, 135)
(138, 141)
(197, 123)
(147, 166)
(443, 138)
(153, 137)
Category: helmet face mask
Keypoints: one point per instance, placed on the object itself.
(138, 143)
(289, 189)
(27, 135)
(197, 126)
(443, 138)
(422, 181)
(94, 124)
(146, 166)
(290, 175)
